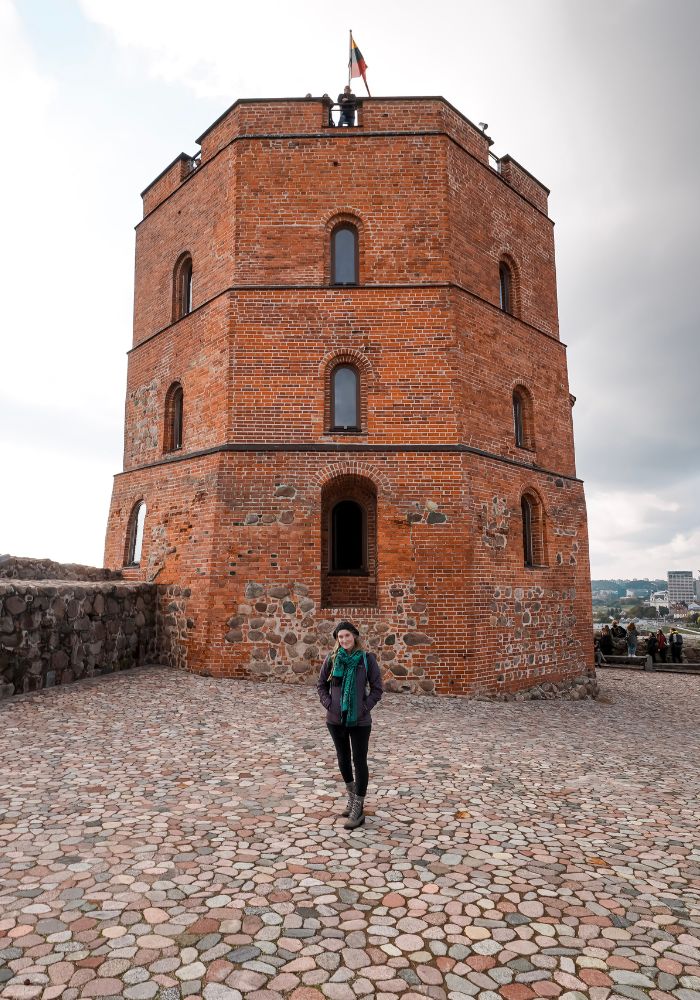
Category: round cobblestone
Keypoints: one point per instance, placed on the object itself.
(221, 869)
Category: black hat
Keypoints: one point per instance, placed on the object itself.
(348, 626)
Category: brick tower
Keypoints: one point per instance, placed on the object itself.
(347, 396)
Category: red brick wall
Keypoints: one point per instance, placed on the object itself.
(488, 220)
(300, 117)
(244, 534)
(235, 539)
(196, 353)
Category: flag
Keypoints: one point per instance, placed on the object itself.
(358, 66)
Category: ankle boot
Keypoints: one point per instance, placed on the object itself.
(357, 813)
(350, 785)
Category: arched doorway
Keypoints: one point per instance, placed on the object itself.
(348, 542)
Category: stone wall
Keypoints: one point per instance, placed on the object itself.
(54, 632)
(22, 568)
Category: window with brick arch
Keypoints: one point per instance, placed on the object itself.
(523, 429)
(533, 530)
(345, 398)
(182, 287)
(505, 278)
(137, 523)
(348, 542)
(174, 415)
(345, 254)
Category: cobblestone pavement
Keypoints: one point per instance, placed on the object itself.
(163, 835)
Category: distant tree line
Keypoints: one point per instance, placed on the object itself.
(621, 586)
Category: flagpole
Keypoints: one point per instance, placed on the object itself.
(350, 62)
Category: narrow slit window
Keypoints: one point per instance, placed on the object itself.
(177, 412)
(344, 255)
(174, 418)
(182, 287)
(138, 520)
(528, 547)
(345, 397)
(518, 420)
(506, 288)
(186, 289)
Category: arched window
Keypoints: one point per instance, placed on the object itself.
(505, 278)
(135, 541)
(348, 544)
(345, 398)
(533, 530)
(523, 431)
(518, 420)
(528, 547)
(174, 402)
(344, 255)
(182, 287)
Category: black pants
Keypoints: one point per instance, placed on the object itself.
(676, 653)
(357, 738)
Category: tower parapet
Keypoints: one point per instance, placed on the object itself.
(307, 116)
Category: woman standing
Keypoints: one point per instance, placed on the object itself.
(632, 639)
(342, 690)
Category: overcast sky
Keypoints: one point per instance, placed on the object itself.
(598, 99)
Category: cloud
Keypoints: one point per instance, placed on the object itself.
(23, 84)
(596, 99)
(222, 49)
(66, 311)
(646, 532)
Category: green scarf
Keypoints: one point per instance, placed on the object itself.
(344, 666)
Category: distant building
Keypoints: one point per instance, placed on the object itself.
(681, 586)
(637, 592)
(659, 599)
(605, 593)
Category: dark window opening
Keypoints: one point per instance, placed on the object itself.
(344, 255)
(518, 420)
(182, 287)
(347, 538)
(138, 518)
(177, 404)
(345, 398)
(186, 289)
(528, 547)
(174, 418)
(505, 288)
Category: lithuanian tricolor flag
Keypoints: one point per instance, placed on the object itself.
(358, 66)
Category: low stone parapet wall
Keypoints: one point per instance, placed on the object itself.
(690, 652)
(24, 568)
(56, 631)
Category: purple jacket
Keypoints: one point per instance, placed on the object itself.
(329, 695)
